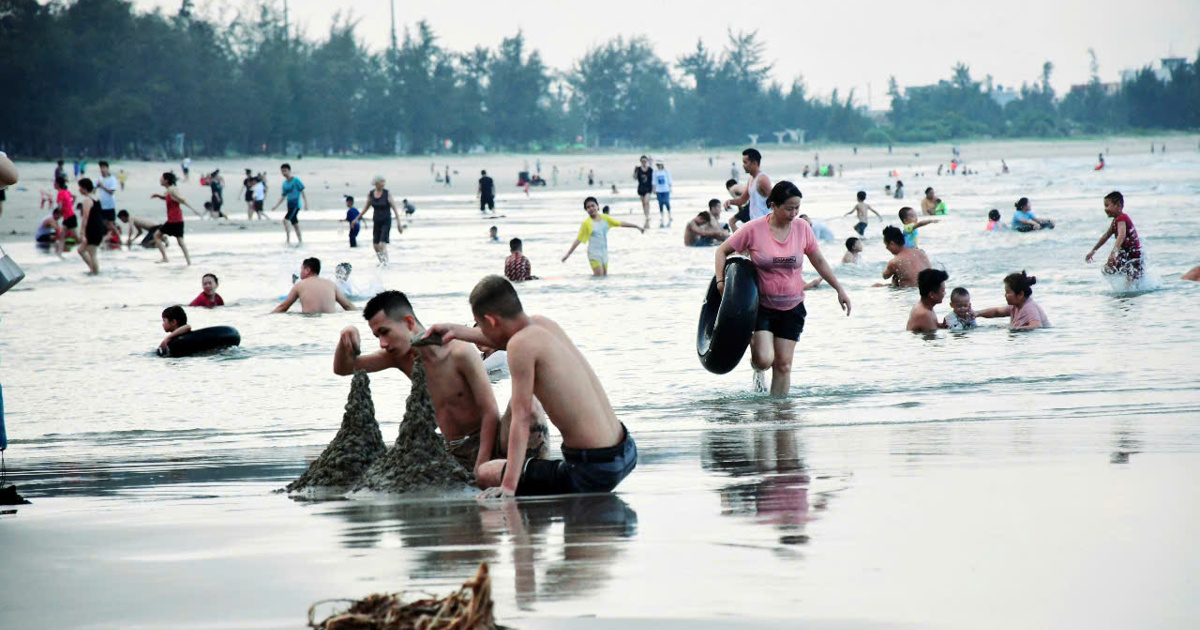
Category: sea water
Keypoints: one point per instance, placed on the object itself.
(92, 413)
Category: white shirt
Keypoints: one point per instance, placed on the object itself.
(758, 203)
(107, 201)
(259, 190)
(662, 180)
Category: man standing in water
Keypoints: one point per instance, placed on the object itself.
(458, 384)
(486, 193)
(316, 294)
(107, 186)
(906, 263)
(758, 188)
(293, 191)
(598, 452)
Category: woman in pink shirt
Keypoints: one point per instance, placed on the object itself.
(777, 244)
(66, 204)
(1022, 311)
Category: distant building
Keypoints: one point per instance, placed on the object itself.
(1110, 89)
(1166, 66)
(1003, 96)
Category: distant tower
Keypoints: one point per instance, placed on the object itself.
(779, 136)
(753, 138)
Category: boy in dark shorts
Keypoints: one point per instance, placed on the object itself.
(598, 452)
(1126, 255)
(293, 192)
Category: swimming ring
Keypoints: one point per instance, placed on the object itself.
(203, 340)
(727, 322)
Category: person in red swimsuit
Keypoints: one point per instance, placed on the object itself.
(1126, 256)
(208, 297)
(174, 224)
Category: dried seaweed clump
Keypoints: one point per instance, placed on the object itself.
(469, 608)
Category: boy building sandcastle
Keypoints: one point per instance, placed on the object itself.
(594, 232)
(598, 451)
(461, 394)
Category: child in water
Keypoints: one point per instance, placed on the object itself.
(962, 316)
(1126, 255)
(352, 213)
(994, 224)
(493, 234)
(208, 297)
(861, 208)
(908, 217)
(854, 249)
(174, 323)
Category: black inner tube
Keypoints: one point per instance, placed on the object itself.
(202, 340)
(727, 322)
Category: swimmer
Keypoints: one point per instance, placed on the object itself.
(546, 366)
(517, 267)
(208, 297)
(743, 211)
(778, 244)
(1126, 255)
(1025, 221)
(465, 407)
(493, 234)
(929, 202)
(853, 253)
(174, 323)
(1022, 311)
(757, 188)
(820, 229)
(861, 208)
(962, 316)
(1192, 275)
(341, 274)
(316, 294)
(703, 231)
(932, 285)
(906, 263)
(594, 232)
(293, 191)
(908, 217)
(145, 226)
(994, 224)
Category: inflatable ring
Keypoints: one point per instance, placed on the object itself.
(727, 322)
(203, 340)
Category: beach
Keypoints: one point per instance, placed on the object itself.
(988, 479)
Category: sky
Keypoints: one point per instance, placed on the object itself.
(845, 45)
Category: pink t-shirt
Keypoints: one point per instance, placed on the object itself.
(1030, 311)
(780, 285)
(66, 201)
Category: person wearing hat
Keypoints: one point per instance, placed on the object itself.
(662, 189)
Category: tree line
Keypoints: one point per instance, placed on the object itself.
(96, 77)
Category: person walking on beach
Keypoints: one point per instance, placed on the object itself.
(464, 406)
(546, 366)
(174, 224)
(316, 294)
(93, 226)
(293, 192)
(216, 184)
(486, 193)
(758, 188)
(644, 175)
(1126, 255)
(107, 186)
(186, 166)
(662, 190)
(447, 180)
(66, 205)
(594, 232)
(259, 195)
(381, 202)
(777, 244)
(248, 194)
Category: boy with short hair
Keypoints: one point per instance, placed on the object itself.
(143, 226)
(1126, 255)
(906, 263)
(908, 217)
(854, 249)
(352, 214)
(208, 297)
(174, 323)
(493, 234)
(932, 285)
(594, 232)
(293, 191)
(962, 316)
(517, 267)
(861, 208)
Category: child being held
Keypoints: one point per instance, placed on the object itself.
(854, 249)
(962, 316)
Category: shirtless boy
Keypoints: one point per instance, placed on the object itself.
(861, 208)
(174, 323)
(316, 294)
(143, 226)
(462, 395)
(906, 263)
(598, 451)
(932, 285)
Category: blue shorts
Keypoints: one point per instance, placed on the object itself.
(664, 199)
(591, 470)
